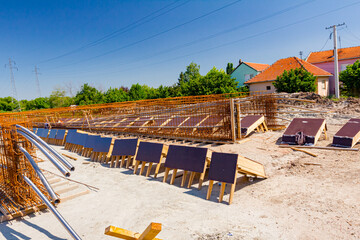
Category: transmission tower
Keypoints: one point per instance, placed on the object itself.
(37, 80)
(12, 65)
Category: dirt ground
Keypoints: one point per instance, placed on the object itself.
(298, 200)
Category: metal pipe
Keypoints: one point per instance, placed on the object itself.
(43, 179)
(52, 209)
(58, 165)
(57, 155)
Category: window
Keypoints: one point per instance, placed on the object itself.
(323, 84)
(248, 76)
(268, 88)
(343, 67)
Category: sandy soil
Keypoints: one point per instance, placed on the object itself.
(297, 201)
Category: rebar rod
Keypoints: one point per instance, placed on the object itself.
(58, 165)
(53, 209)
(43, 179)
(57, 155)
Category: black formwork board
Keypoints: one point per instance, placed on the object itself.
(102, 145)
(223, 167)
(77, 137)
(91, 141)
(149, 152)
(186, 158)
(60, 134)
(81, 138)
(39, 132)
(309, 126)
(52, 133)
(348, 135)
(70, 137)
(248, 121)
(125, 147)
(45, 133)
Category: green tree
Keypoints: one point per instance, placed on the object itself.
(214, 82)
(38, 103)
(8, 104)
(192, 72)
(295, 80)
(351, 79)
(115, 95)
(88, 95)
(229, 68)
(139, 92)
(58, 99)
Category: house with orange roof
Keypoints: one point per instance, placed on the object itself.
(264, 81)
(246, 70)
(325, 61)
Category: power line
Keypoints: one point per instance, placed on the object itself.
(252, 36)
(157, 34)
(355, 36)
(242, 39)
(327, 40)
(120, 31)
(219, 33)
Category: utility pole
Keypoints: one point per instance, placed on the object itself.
(12, 79)
(336, 63)
(37, 80)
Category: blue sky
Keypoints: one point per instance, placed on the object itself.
(113, 43)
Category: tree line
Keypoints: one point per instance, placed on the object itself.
(189, 83)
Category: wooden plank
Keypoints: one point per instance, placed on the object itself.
(304, 151)
(149, 169)
(246, 165)
(120, 233)
(64, 190)
(166, 174)
(232, 120)
(75, 195)
(191, 179)
(222, 191)
(183, 178)
(324, 148)
(173, 176)
(151, 231)
(232, 191)
(211, 184)
(66, 155)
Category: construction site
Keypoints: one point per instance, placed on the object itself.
(231, 166)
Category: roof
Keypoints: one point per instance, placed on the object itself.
(257, 66)
(328, 55)
(277, 68)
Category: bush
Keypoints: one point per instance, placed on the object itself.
(295, 80)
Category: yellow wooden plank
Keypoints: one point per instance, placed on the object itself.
(249, 166)
(120, 233)
(151, 231)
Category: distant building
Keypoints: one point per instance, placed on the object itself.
(264, 81)
(325, 60)
(246, 70)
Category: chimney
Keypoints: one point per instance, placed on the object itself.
(240, 61)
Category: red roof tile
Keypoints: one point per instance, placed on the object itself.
(328, 56)
(276, 69)
(257, 66)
